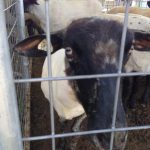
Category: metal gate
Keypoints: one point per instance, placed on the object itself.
(12, 30)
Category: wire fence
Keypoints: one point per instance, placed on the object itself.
(21, 73)
(108, 4)
(13, 10)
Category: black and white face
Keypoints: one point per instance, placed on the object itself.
(92, 47)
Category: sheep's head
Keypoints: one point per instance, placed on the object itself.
(92, 47)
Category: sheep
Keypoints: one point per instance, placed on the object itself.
(116, 17)
(37, 17)
(59, 9)
(133, 23)
(84, 39)
(140, 23)
(92, 34)
(64, 104)
(92, 48)
(134, 10)
(89, 52)
(139, 61)
(136, 22)
(65, 101)
(75, 9)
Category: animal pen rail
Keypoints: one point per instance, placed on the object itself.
(11, 16)
(12, 30)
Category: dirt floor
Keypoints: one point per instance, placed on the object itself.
(40, 121)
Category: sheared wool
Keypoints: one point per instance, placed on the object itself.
(62, 12)
(138, 61)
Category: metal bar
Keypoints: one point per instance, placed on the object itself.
(119, 71)
(21, 28)
(21, 20)
(23, 68)
(10, 134)
(49, 47)
(12, 29)
(86, 133)
(10, 6)
(82, 77)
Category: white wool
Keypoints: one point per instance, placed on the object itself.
(62, 12)
(134, 10)
(138, 61)
(65, 101)
(135, 22)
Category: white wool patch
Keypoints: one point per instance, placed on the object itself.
(135, 21)
(138, 61)
(65, 101)
(63, 12)
(108, 50)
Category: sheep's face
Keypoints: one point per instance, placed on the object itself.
(90, 44)
(97, 97)
(92, 47)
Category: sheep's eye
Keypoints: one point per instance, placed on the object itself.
(69, 53)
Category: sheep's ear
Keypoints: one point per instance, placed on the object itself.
(29, 46)
(141, 41)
